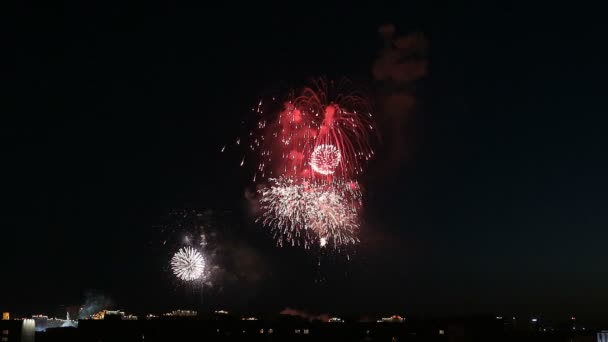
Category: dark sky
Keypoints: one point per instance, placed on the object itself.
(116, 113)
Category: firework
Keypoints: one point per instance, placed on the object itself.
(323, 242)
(333, 218)
(191, 225)
(343, 120)
(303, 214)
(311, 146)
(324, 159)
(188, 264)
(284, 208)
(288, 130)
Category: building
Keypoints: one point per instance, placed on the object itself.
(181, 313)
(392, 319)
(17, 330)
(11, 330)
(98, 315)
(114, 314)
(293, 329)
(43, 322)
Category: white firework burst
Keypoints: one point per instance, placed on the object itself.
(325, 158)
(333, 218)
(310, 212)
(188, 264)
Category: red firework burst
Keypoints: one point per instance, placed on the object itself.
(319, 136)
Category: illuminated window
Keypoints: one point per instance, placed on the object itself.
(306, 331)
(270, 331)
(4, 339)
(261, 331)
(297, 331)
(441, 332)
(5, 332)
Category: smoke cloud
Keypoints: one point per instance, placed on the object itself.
(402, 62)
(305, 315)
(94, 302)
(253, 201)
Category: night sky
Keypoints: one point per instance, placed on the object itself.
(116, 114)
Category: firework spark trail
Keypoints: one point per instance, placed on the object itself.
(308, 213)
(285, 206)
(188, 264)
(343, 120)
(288, 131)
(333, 219)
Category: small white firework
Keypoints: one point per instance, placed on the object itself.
(188, 264)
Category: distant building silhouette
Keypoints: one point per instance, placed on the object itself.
(197, 328)
(17, 330)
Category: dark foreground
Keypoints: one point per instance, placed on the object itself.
(196, 329)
